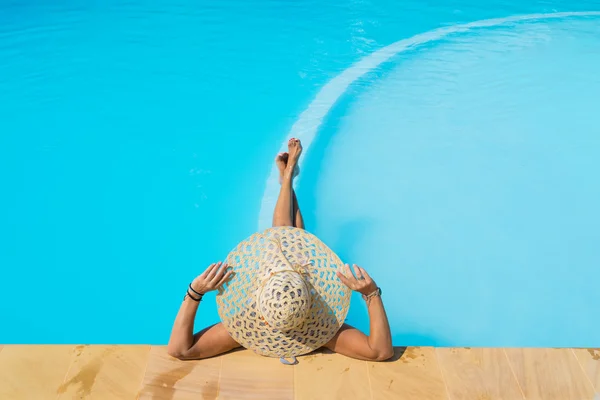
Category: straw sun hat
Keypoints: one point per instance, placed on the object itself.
(284, 298)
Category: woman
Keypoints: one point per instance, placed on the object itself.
(215, 339)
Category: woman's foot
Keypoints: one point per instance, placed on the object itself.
(294, 150)
(282, 160)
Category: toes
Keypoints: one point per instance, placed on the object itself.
(293, 142)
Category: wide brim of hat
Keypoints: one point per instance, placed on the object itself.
(237, 300)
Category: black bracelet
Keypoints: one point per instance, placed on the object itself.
(192, 297)
(197, 294)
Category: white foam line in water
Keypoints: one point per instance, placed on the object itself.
(307, 125)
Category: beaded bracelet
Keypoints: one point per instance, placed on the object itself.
(368, 297)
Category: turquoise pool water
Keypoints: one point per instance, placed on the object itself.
(450, 149)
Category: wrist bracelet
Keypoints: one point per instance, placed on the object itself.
(368, 297)
(192, 289)
(192, 297)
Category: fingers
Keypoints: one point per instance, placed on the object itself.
(207, 270)
(219, 274)
(224, 278)
(355, 281)
(358, 272)
(346, 277)
(213, 271)
(348, 272)
(364, 274)
(343, 278)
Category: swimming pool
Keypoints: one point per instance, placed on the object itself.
(457, 166)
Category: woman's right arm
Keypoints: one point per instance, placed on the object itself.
(351, 342)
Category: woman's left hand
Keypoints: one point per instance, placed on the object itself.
(362, 283)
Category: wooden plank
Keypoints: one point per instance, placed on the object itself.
(331, 376)
(477, 373)
(413, 373)
(549, 374)
(167, 378)
(245, 375)
(589, 359)
(33, 372)
(105, 372)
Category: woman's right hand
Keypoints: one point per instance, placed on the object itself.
(362, 283)
(214, 276)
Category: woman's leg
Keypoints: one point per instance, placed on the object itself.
(287, 212)
(298, 220)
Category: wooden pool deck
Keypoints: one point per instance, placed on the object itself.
(147, 372)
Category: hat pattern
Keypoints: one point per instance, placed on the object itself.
(284, 298)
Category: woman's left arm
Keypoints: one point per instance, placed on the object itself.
(183, 343)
